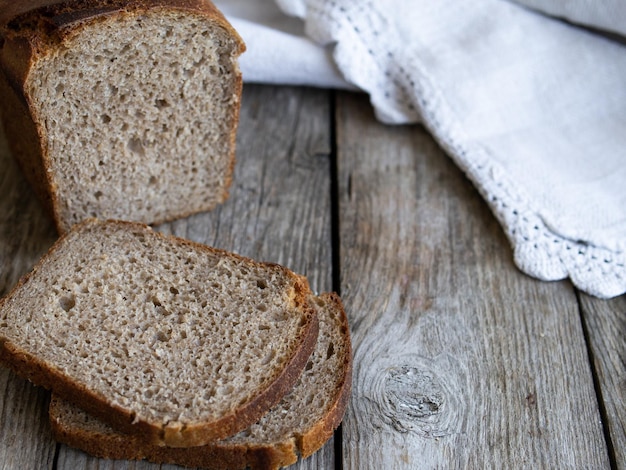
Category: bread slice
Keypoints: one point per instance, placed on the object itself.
(119, 108)
(302, 422)
(172, 341)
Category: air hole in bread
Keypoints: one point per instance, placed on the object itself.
(226, 390)
(209, 394)
(67, 303)
(160, 104)
(162, 336)
(268, 357)
(330, 351)
(173, 290)
(105, 118)
(261, 284)
(162, 310)
(279, 316)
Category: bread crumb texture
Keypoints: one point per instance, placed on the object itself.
(317, 388)
(139, 111)
(320, 396)
(154, 324)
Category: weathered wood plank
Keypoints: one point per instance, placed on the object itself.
(461, 361)
(25, 234)
(278, 210)
(606, 326)
(25, 440)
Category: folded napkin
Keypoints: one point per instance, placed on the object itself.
(608, 15)
(531, 108)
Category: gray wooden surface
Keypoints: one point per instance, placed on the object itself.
(460, 360)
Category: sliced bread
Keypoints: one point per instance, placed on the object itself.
(169, 340)
(300, 424)
(122, 109)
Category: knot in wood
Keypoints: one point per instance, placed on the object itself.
(413, 392)
(414, 398)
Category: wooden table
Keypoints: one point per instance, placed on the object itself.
(460, 360)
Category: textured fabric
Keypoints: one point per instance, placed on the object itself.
(278, 50)
(531, 108)
(608, 15)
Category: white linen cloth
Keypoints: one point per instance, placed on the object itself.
(533, 109)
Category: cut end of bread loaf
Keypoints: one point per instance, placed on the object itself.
(160, 337)
(136, 108)
(300, 424)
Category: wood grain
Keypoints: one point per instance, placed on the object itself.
(278, 210)
(25, 439)
(460, 360)
(605, 323)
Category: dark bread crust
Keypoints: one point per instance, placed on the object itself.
(314, 438)
(44, 374)
(26, 142)
(111, 446)
(30, 29)
(63, 16)
(223, 454)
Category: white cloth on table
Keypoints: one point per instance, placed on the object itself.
(530, 107)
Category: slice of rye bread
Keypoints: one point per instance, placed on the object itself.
(123, 109)
(172, 341)
(300, 424)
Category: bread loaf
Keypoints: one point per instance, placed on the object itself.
(172, 341)
(299, 425)
(119, 108)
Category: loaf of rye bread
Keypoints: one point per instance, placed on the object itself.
(171, 341)
(298, 426)
(121, 109)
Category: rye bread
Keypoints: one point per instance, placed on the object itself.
(169, 340)
(299, 425)
(123, 109)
